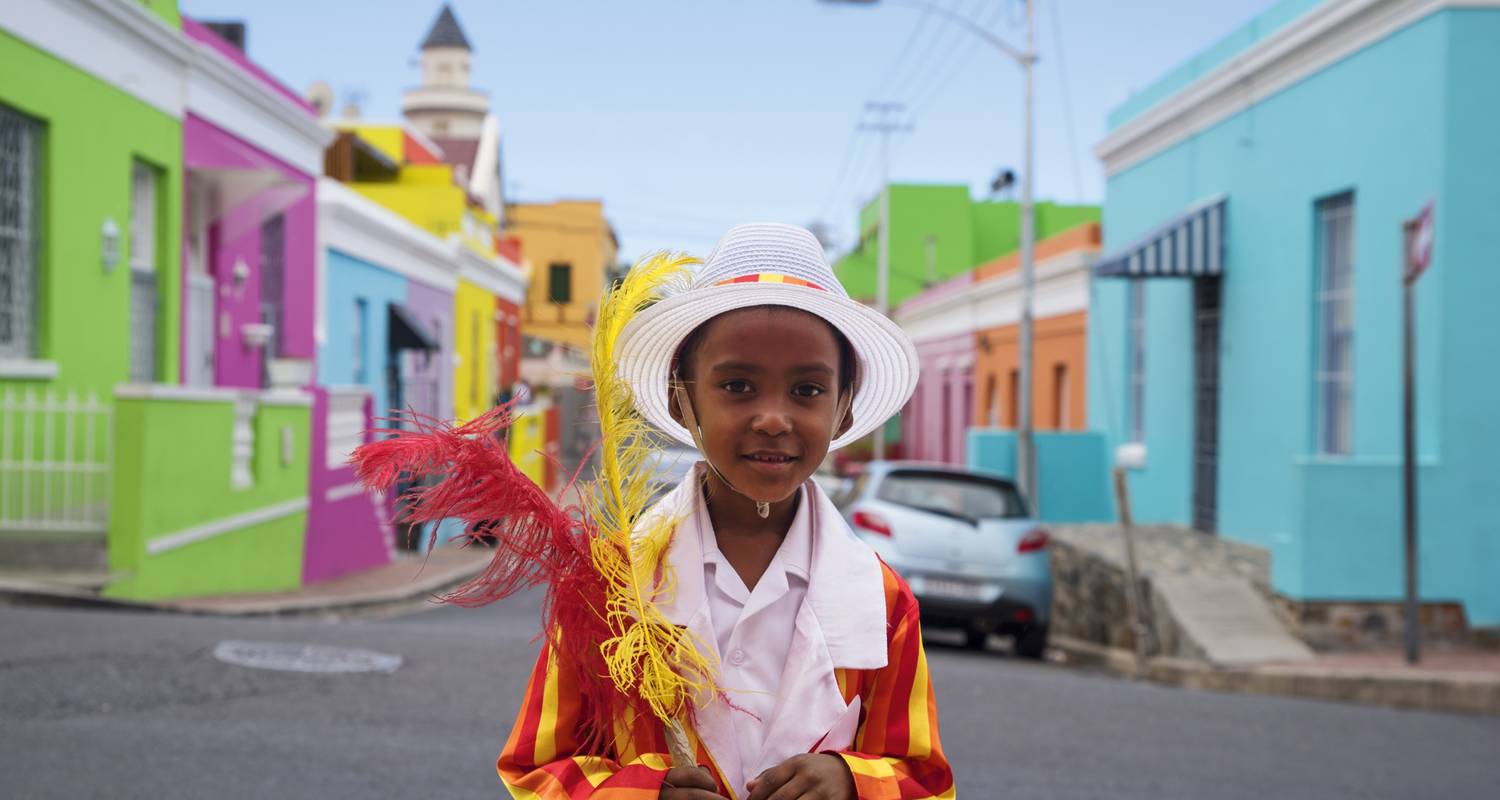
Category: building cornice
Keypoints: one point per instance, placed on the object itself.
(1061, 288)
(498, 276)
(118, 42)
(360, 227)
(1301, 48)
(221, 92)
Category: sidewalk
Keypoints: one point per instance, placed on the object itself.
(1447, 679)
(409, 581)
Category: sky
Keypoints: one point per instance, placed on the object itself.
(689, 116)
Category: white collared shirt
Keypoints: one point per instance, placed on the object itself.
(753, 629)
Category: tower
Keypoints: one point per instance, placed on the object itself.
(445, 105)
(454, 115)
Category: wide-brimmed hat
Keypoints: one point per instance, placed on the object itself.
(766, 264)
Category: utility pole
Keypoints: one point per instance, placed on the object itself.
(885, 124)
(1026, 445)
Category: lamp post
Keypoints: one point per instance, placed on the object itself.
(1026, 59)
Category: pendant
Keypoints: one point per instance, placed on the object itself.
(763, 509)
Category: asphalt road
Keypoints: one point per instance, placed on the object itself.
(124, 705)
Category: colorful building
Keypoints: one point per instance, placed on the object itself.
(89, 252)
(966, 330)
(1246, 330)
(198, 311)
(570, 247)
(939, 232)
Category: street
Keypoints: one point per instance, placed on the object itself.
(100, 703)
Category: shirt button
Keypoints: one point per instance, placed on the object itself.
(737, 657)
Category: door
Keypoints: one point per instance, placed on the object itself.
(272, 283)
(199, 347)
(142, 273)
(1207, 308)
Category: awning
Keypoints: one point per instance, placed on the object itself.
(1189, 246)
(405, 333)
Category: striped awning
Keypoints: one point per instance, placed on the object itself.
(1189, 246)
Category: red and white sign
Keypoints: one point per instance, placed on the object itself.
(1420, 256)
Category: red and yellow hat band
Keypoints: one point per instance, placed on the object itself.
(772, 277)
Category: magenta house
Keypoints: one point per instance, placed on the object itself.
(935, 422)
(250, 163)
(253, 151)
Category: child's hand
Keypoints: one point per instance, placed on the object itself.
(689, 783)
(810, 775)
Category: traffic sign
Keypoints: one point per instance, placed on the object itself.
(1419, 257)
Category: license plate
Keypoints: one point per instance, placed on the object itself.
(952, 589)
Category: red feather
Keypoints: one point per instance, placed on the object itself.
(537, 540)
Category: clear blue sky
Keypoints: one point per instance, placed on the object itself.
(687, 117)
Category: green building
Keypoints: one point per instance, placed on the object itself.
(937, 232)
(109, 465)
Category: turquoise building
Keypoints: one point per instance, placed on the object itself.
(1246, 327)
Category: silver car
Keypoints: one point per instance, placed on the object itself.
(964, 541)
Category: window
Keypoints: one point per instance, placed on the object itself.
(272, 279)
(560, 282)
(1060, 396)
(20, 147)
(475, 392)
(1137, 363)
(1013, 407)
(143, 233)
(357, 328)
(952, 495)
(991, 401)
(1335, 313)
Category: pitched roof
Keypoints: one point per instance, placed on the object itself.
(446, 32)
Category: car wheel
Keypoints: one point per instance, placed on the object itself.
(976, 638)
(1032, 642)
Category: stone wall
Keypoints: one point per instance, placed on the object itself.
(1088, 574)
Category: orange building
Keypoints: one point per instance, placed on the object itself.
(1059, 337)
(967, 330)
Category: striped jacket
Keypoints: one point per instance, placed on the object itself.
(866, 695)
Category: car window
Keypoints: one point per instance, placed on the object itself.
(971, 497)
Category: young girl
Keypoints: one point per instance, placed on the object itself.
(764, 364)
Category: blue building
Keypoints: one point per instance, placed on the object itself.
(1246, 324)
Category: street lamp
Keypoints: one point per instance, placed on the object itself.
(1026, 59)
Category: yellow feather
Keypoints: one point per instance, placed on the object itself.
(648, 653)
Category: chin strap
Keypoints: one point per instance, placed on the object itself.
(690, 420)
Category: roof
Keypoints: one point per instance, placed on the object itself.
(458, 151)
(446, 32)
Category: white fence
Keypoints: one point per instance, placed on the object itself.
(55, 455)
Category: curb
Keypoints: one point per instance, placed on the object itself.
(1424, 690)
(376, 602)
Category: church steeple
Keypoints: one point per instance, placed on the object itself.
(445, 105)
(446, 32)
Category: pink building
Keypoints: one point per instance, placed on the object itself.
(936, 420)
(252, 154)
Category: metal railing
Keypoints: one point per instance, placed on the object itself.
(55, 457)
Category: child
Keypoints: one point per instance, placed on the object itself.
(764, 364)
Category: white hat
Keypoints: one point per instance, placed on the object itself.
(768, 265)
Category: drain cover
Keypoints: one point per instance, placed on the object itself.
(291, 657)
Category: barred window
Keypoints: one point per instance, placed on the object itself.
(20, 145)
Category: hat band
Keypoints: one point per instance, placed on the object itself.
(772, 277)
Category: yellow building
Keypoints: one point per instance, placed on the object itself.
(399, 169)
(568, 248)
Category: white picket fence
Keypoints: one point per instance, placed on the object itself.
(55, 455)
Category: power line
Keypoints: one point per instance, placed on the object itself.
(1067, 98)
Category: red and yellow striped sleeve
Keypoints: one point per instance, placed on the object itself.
(541, 759)
(897, 754)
